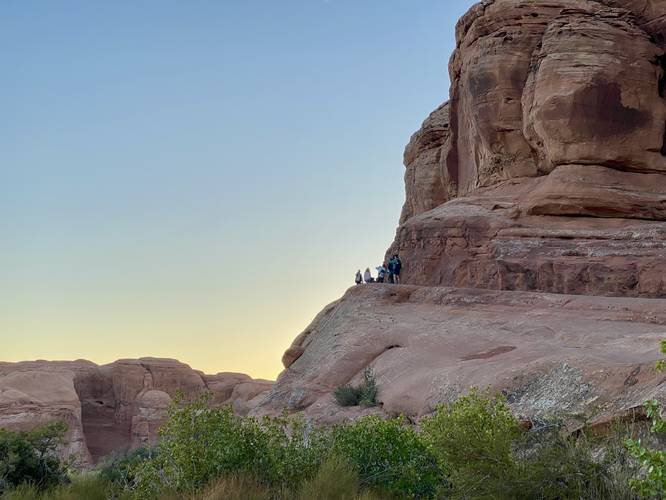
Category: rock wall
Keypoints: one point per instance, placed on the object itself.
(546, 170)
(113, 407)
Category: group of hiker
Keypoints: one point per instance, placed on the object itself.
(388, 272)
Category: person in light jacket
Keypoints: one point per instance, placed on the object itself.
(381, 273)
(367, 277)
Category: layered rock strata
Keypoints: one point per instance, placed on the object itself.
(546, 170)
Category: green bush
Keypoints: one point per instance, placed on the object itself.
(389, 455)
(653, 483)
(473, 439)
(575, 467)
(199, 445)
(365, 394)
(31, 457)
(118, 470)
(487, 455)
(347, 395)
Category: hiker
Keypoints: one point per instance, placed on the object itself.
(359, 277)
(381, 273)
(391, 266)
(367, 277)
(397, 267)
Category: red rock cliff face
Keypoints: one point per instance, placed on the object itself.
(546, 170)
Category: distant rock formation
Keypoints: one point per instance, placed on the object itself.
(113, 407)
(533, 196)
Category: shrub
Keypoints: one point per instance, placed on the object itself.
(388, 455)
(653, 461)
(575, 467)
(31, 457)
(473, 439)
(347, 395)
(199, 445)
(365, 394)
(118, 470)
(487, 455)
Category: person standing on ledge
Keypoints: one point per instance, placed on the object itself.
(367, 277)
(391, 270)
(359, 278)
(397, 267)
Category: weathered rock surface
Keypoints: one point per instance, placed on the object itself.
(426, 179)
(553, 157)
(112, 407)
(489, 239)
(551, 354)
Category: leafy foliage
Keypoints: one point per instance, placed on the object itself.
(473, 441)
(118, 470)
(365, 394)
(487, 455)
(389, 455)
(563, 466)
(199, 444)
(653, 461)
(31, 457)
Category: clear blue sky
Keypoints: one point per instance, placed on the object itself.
(198, 179)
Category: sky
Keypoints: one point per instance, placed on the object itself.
(196, 180)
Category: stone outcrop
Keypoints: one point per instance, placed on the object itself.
(546, 170)
(113, 407)
(426, 182)
(550, 354)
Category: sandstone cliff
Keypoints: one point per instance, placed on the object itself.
(552, 148)
(533, 195)
(113, 407)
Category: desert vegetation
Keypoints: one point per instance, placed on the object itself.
(472, 448)
(364, 394)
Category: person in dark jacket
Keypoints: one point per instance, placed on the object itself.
(391, 270)
(359, 277)
(397, 267)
